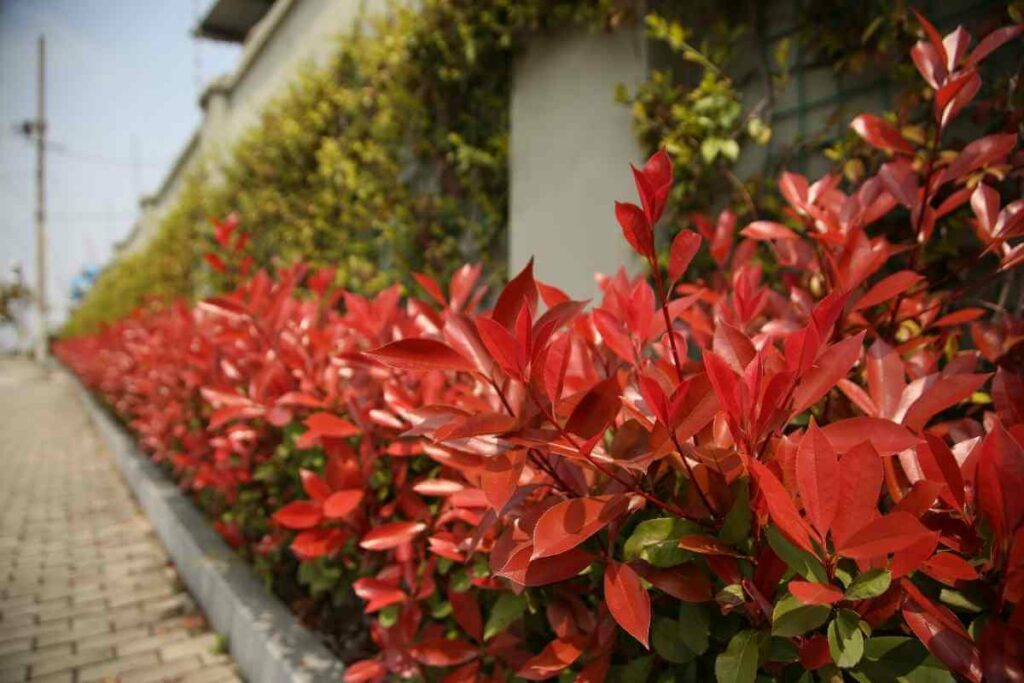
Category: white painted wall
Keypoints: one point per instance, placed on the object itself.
(570, 149)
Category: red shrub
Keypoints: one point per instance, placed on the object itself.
(742, 475)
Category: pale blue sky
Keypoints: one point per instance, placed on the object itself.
(122, 84)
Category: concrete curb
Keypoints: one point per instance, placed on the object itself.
(264, 638)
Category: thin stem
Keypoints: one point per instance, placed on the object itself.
(659, 284)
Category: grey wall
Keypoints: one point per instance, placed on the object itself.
(570, 149)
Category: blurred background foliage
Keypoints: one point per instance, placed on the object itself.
(394, 157)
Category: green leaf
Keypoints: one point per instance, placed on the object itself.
(845, 639)
(898, 659)
(782, 650)
(961, 600)
(694, 627)
(736, 527)
(800, 561)
(506, 610)
(738, 664)
(657, 541)
(793, 618)
(636, 671)
(667, 640)
(870, 584)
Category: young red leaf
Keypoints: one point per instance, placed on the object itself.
(466, 611)
(833, 364)
(431, 287)
(299, 514)
(596, 409)
(684, 582)
(860, 484)
(555, 657)
(884, 435)
(939, 464)
(520, 291)
(887, 288)
(635, 228)
(810, 593)
(441, 651)
(331, 426)
(768, 230)
(949, 568)
(684, 247)
(889, 534)
(392, 535)
(993, 42)
(817, 476)
(565, 525)
(781, 507)
(653, 183)
(316, 488)
(502, 346)
(628, 601)
(342, 503)
(881, 134)
(938, 392)
(940, 631)
(419, 354)
(365, 671)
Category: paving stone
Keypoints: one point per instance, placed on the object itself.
(87, 592)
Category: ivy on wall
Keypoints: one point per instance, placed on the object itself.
(391, 159)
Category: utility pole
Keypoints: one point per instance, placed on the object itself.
(40, 131)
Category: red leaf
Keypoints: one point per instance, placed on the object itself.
(981, 152)
(860, 483)
(768, 230)
(342, 503)
(933, 37)
(520, 291)
(557, 656)
(315, 487)
(635, 228)
(684, 248)
(565, 525)
(365, 671)
(331, 426)
(992, 42)
(466, 611)
(628, 601)
(814, 652)
(377, 594)
(934, 626)
(299, 514)
(431, 287)
(684, 582)
(441, 651)
(596, 409)
(313, 543)
(653, 183)
(781, 507)
(500, 477)
(939, 464)
(1000, 481)
(419, 354)
(817, 476)
(949, 568)
(706, 545)
(884, 435)
(888, 534)
(881, 134)
(815, 593)
(887, 288)
(832, 365)
(938, 392)
(502, 346)
(391, 535)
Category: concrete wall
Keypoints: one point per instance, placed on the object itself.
(570, 147)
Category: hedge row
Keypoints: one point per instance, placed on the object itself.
(797, 478)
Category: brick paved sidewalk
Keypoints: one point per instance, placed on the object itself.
(87, 592)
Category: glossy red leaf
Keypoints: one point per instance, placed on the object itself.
(377, 594)
(768, 230)
(635, 228)
(888, 534)
(937, 628)
(520, 291)
(502, 347)
(653, 184)
(992, 42)
(299, 514)
(810, 593)
(315, 487)
(431, 287)
(555, 657)
(949, 568)
(938, 393)
(781, 507)
(596, 409)
(628, 601)
(365, 671)
(884, 435)
(684, 582)
(887, 288)
(443, 651)
(392, 535)
(817, 476)
(860, 484)
(565, 525)
(343, 503)
(685, 246)
(466, 610)
(832, 365)
(418, 354)
(879, 133)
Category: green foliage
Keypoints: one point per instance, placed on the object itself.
(391, 159)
